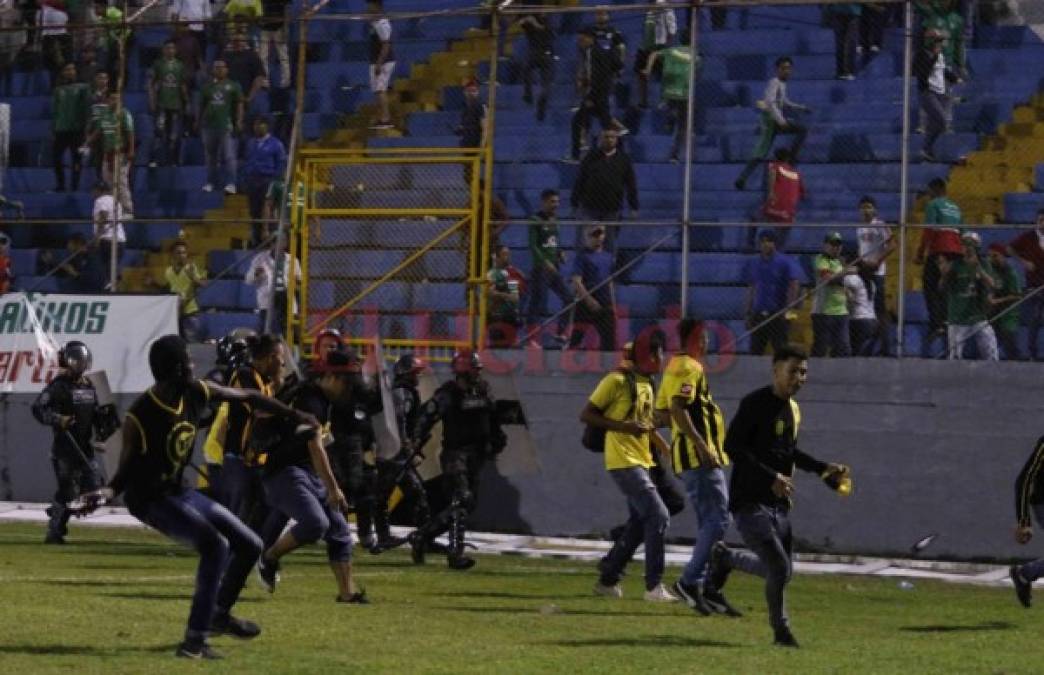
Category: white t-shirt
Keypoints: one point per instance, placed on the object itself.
(872, 240)
(52, 21)
(937, 78)
(106, 204)
(262, 272)
(860, 302)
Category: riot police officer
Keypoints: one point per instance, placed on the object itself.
(401, 470)
(233, 353)
(470, 433)
(69, 405)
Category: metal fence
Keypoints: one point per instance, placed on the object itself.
(533, 85)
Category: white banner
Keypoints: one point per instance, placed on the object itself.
(118, 329)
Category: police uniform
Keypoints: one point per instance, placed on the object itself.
(407, 402)
(76, 468)
(354, 459)
(470, 433)
(152, 480)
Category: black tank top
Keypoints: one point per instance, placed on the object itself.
(168, 435)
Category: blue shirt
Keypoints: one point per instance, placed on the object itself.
(771, 278)
(265, 157)
(594, 267)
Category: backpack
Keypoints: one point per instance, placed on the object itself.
(594, 437)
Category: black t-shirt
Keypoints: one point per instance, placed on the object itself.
(273, 14)
(600, 67)
(243, 68)
(541, 40)
(762, 442)
(291, 450)
(168, 435)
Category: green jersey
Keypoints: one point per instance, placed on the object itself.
(830, 298)
(503, 310)
(1006, 283)
(69, 107)
(676, 64)
(168, 78)
(942, 211)
(543, 241)
(966, 295)
(220, 104)
(114, 137)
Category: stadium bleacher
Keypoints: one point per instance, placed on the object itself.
(853, 149)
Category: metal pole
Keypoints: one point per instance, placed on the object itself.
(694, 20)
(480, 253)
(289, 188)
(117, 210)
(904, 178)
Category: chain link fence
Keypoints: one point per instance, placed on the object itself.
(880, 100)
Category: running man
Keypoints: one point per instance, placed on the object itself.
(762, 441)
(1029, 497)
(158, 438)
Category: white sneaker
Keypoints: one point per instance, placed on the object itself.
(609, 591)
(230, 189)
(660, 594)
(207, 187)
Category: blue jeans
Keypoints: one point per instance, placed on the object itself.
(709, 495)
(541, 279)
(647, 522)
(211, 530)
(219, 147)
(299, 494)
(830, 335)
(766, 532)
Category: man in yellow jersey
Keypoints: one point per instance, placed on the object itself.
(622, 405)
(698, 456)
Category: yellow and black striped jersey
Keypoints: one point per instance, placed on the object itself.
(685, 379)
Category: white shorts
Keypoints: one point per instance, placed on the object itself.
(380, 76)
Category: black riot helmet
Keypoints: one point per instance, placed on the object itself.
(407, 369)
(75, 357)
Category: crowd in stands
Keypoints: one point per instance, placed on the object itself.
(210, 80)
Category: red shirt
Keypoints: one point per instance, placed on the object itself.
(5, 274)
(1027, 246)
(786, 192)
(938, 240)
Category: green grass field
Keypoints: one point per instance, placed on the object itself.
(115, 600)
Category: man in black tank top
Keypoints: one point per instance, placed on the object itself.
(158, 438)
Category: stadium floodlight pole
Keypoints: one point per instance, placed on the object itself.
(904, 178)
(694, 20)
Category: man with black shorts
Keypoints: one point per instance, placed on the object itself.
(762, 443)
(158, 438)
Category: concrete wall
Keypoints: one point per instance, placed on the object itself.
(934, 447)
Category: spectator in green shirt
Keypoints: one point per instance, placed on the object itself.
(942, 18)
(1006, 293)
(506, 284)
(220, 118)
(968, 283)
(113, 132)
(830, 331)
(183, 279)
(674, 87)
(69, 105)
(168, 96)
(547, 259)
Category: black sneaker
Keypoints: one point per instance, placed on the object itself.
(417, 546)
(268, 573)
(460, 562)
(387, 543)
(54, 538)
(197, 649)
(226, 624)
(715, 599)
(718, 567)
(358, 598)
(693, 597)
(784, 638)
(1023, 588)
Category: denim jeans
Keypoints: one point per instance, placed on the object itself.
(982, 332)
(830, 335)
(166, 141)
(766, 531)
(211, 530)
(541, 279)
(647, 522)
(709, 495)
(298, 493)
(219, 147)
